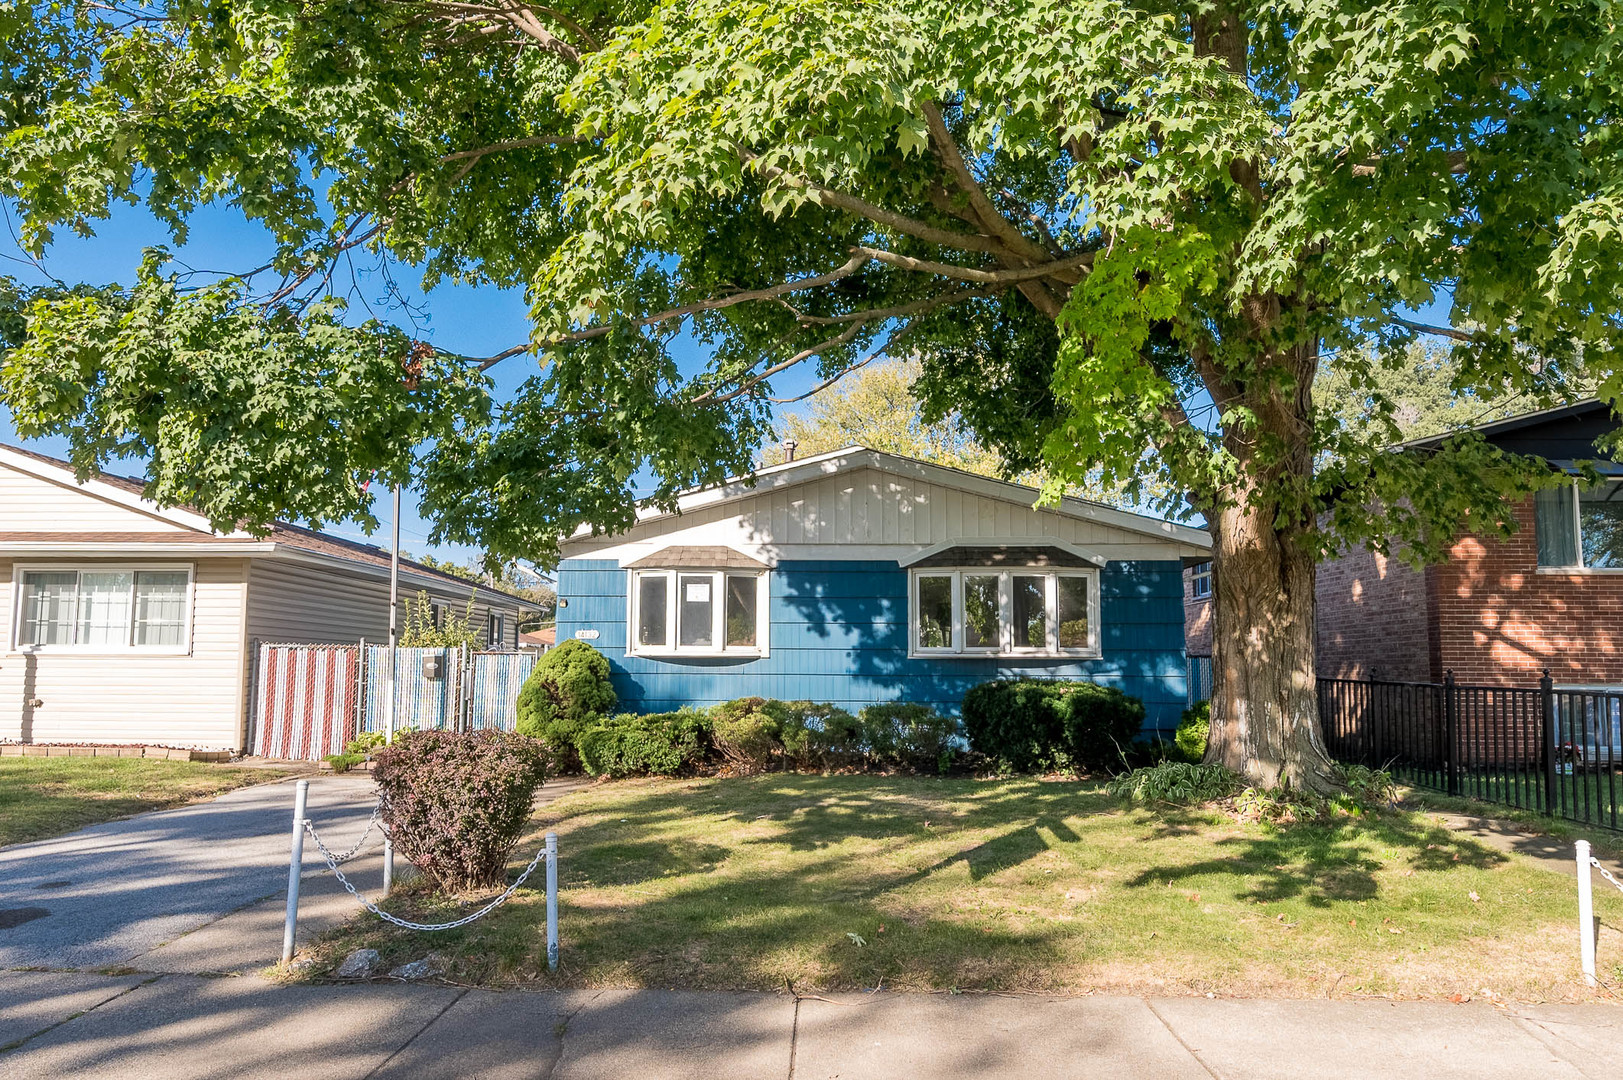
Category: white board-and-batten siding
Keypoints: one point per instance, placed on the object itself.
(868, 513)
(195, 698)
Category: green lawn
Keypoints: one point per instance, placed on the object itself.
(47, 796)
(847, 882)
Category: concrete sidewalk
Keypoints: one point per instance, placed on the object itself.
(178, 1026)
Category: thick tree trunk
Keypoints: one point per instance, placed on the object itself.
(1265, 717)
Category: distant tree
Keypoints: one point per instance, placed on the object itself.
(1423, 391)
(879, 407)
(875, 408)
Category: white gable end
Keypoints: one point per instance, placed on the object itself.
(30, 502)
(875, 512)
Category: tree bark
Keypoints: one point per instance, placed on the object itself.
(1265, 716)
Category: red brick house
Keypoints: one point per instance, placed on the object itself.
(1498, 612)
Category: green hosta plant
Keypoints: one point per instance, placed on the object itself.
(1176, 782)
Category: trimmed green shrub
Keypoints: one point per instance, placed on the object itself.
(746, 733)
(456, 803)
(1176, 782)
(568, 690)
(909, 735)
(344, 762)
(816, 735)
(1028, 725)
(1193, 730)
(659, 744)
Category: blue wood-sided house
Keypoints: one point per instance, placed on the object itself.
(858, 576)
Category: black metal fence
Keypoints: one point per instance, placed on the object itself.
(1556, 750)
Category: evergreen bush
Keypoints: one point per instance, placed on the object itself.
(568, 690)
(908, 735)
(657, 744)
(1032, 725)
(1193, 730)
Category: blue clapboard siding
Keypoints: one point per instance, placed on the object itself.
(839, 634)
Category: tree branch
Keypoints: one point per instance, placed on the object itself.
(991, 220)
(844, 337)
(930, 234)
(855, 263)
(512, 144)
(1063, 269)
(1438, 331)
(890, 342)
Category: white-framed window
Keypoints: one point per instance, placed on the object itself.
(497, 636)
(1200, 581)
(1580, 527)
(104, 608)
(697, 613)
(990, 611)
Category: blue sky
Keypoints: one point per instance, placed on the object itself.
(472, 321)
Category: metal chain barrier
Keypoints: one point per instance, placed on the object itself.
(332, 864)
(1605, 873)
(371, 824)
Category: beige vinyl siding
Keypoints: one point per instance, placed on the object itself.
(308, 603)
(191, 700)
(838, 516)
(30, 504)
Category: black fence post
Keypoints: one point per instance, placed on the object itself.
(1451, 763)
(1552, 743)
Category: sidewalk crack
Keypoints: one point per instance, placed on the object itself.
(794, 1038)
(418, 1034)
(16, 1043)
(1190, 1050)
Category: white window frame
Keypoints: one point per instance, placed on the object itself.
(18, 590)
(718, 614)
(1200, 581)
(496, 634)
(1580, 567)
(1005, 647)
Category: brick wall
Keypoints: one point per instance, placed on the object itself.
(1501, 622)
(1373, 619)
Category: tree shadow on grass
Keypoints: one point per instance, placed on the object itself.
(1321, 863)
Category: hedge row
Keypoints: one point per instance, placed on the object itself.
(1017, 725)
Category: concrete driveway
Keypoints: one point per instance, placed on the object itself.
(141, 892)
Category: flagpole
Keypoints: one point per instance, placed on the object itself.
(394, 612)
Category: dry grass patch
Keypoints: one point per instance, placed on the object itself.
(841, 883)
(48, 796)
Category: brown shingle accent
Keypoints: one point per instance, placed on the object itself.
(696, 557)
(972, 555)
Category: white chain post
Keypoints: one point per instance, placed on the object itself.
(388, 864)
(552, 901)
(295, 863)
(1586, 913)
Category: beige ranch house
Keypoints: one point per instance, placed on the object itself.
(123, 623)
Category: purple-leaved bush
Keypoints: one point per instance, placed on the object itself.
(456, 803)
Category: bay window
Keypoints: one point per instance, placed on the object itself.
(103, 609)
(697, 612)
(995, 612)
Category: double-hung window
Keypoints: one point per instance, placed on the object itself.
(1200, 581)
(1580, 527)
(104, 608)
(985, 611)
(698, 612)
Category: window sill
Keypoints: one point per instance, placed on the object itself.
(698, 654)
(93, 651)
(1580, 571)
(986, 654)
